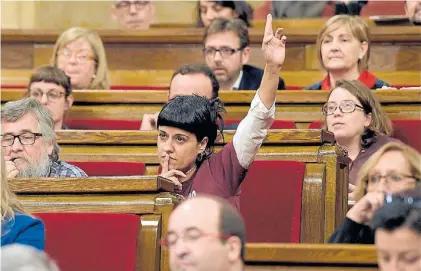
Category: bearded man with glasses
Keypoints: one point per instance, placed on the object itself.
(227, 52)
(29, 142)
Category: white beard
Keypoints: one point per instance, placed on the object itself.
(36, 169)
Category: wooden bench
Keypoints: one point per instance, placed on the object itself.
(302, 107)
(393, 48)
(310, 257)
(142, 195)
(326, 171)
(160, 79)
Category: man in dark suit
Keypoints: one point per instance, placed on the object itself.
(227, 52)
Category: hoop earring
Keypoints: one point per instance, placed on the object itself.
(201, 156)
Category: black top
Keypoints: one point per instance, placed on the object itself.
(252, 77)
(351, 232)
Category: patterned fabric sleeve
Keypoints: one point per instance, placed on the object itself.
(63, 169)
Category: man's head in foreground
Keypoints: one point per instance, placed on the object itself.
(206, 234)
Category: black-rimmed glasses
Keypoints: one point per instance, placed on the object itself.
(346, 106)
(126, 4)
(52, 95)
(224, 51)
(24, 139)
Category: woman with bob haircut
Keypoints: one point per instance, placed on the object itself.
(188, 128)
(354, 115)
(18, 227)
(393, 169)
(207, 11)
(80, 53)
(53, 89)
(397, 228)
(343, 50)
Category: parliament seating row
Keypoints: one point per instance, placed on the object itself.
(160, 79)
(392, 48)
(111, 242)
(313, 147)
(125, 109)
(270, 214)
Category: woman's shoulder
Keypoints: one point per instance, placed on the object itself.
(26, 219)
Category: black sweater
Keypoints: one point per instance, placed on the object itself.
(351, 232)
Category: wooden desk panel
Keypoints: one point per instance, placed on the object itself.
(310, 257)
(170, 48)
(161, 78)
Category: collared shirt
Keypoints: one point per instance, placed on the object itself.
(236, 85)
(62, 169)
(252, 130)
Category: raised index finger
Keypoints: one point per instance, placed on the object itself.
(268, 26)
(166, 164)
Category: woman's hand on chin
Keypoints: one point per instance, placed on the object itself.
(172, 174)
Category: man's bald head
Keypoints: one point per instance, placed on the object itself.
(212, 229)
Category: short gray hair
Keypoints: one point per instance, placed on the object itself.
(14, 110)
(17, 257)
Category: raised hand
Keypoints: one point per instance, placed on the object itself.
(273, 46)
(172, 174)
(11, 170)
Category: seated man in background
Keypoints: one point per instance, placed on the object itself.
(189, 79)
(226, 51)
(398, 233)
(52, 88)
(29, 142)
(211, 240)
(130, 14)
(413, 11)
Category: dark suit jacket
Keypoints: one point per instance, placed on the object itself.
(252, 77)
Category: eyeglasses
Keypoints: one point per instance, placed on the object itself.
(190, 237)
(80, 57)
(24, 139)
(346, 106)
(52, 95)
(224, 51)
(125, 5)
(389, 178)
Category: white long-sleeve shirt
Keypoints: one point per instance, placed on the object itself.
(252, 130)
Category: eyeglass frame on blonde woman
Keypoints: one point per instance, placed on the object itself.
(79, 56)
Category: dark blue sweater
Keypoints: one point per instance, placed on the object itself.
(26, 230)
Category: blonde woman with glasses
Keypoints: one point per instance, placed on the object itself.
(80, 53)
(394, 168)
(18, 227)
